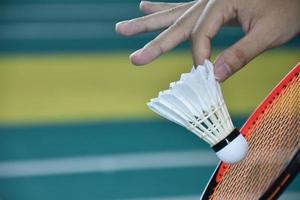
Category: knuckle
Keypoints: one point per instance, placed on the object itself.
(142, 24)
(239, 56)
(194, 36)
(141, 20)
(171, 10)
(184, 34)
(180, 28)
(176, 8)
(157, 46)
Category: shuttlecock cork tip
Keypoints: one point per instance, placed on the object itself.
(232, 149)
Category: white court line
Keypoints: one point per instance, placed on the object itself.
(56, 30)
(106, 164)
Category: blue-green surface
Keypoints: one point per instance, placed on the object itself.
(39, 26)
(51, 26)
(28, 142)
(63, 141)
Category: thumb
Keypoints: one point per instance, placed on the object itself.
(239, 54)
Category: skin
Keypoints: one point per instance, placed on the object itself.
(266, 23)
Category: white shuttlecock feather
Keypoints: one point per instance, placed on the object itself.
(196, 102)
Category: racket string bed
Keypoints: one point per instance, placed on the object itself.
(273, 138)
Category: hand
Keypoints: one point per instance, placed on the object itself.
(266, 23)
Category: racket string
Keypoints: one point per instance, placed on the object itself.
(272, 140)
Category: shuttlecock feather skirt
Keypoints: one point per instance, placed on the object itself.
(196, 102)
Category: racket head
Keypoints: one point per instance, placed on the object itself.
(273, 134)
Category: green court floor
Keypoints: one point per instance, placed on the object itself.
(106, 160)
(73, 117)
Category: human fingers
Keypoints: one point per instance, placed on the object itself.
(151, 22)
(168, 39)
(239, 54)
(215, 14)
(149, 7)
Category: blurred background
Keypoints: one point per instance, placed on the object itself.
(73, 117)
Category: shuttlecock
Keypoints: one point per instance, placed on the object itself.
(196, 102)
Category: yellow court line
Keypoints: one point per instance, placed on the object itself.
(55, 87)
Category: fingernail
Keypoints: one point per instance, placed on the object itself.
(117, 26)
(136, 52)
(120, 23)
(143, 5)
(124, 28)
(222, 71)
(134, 56)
